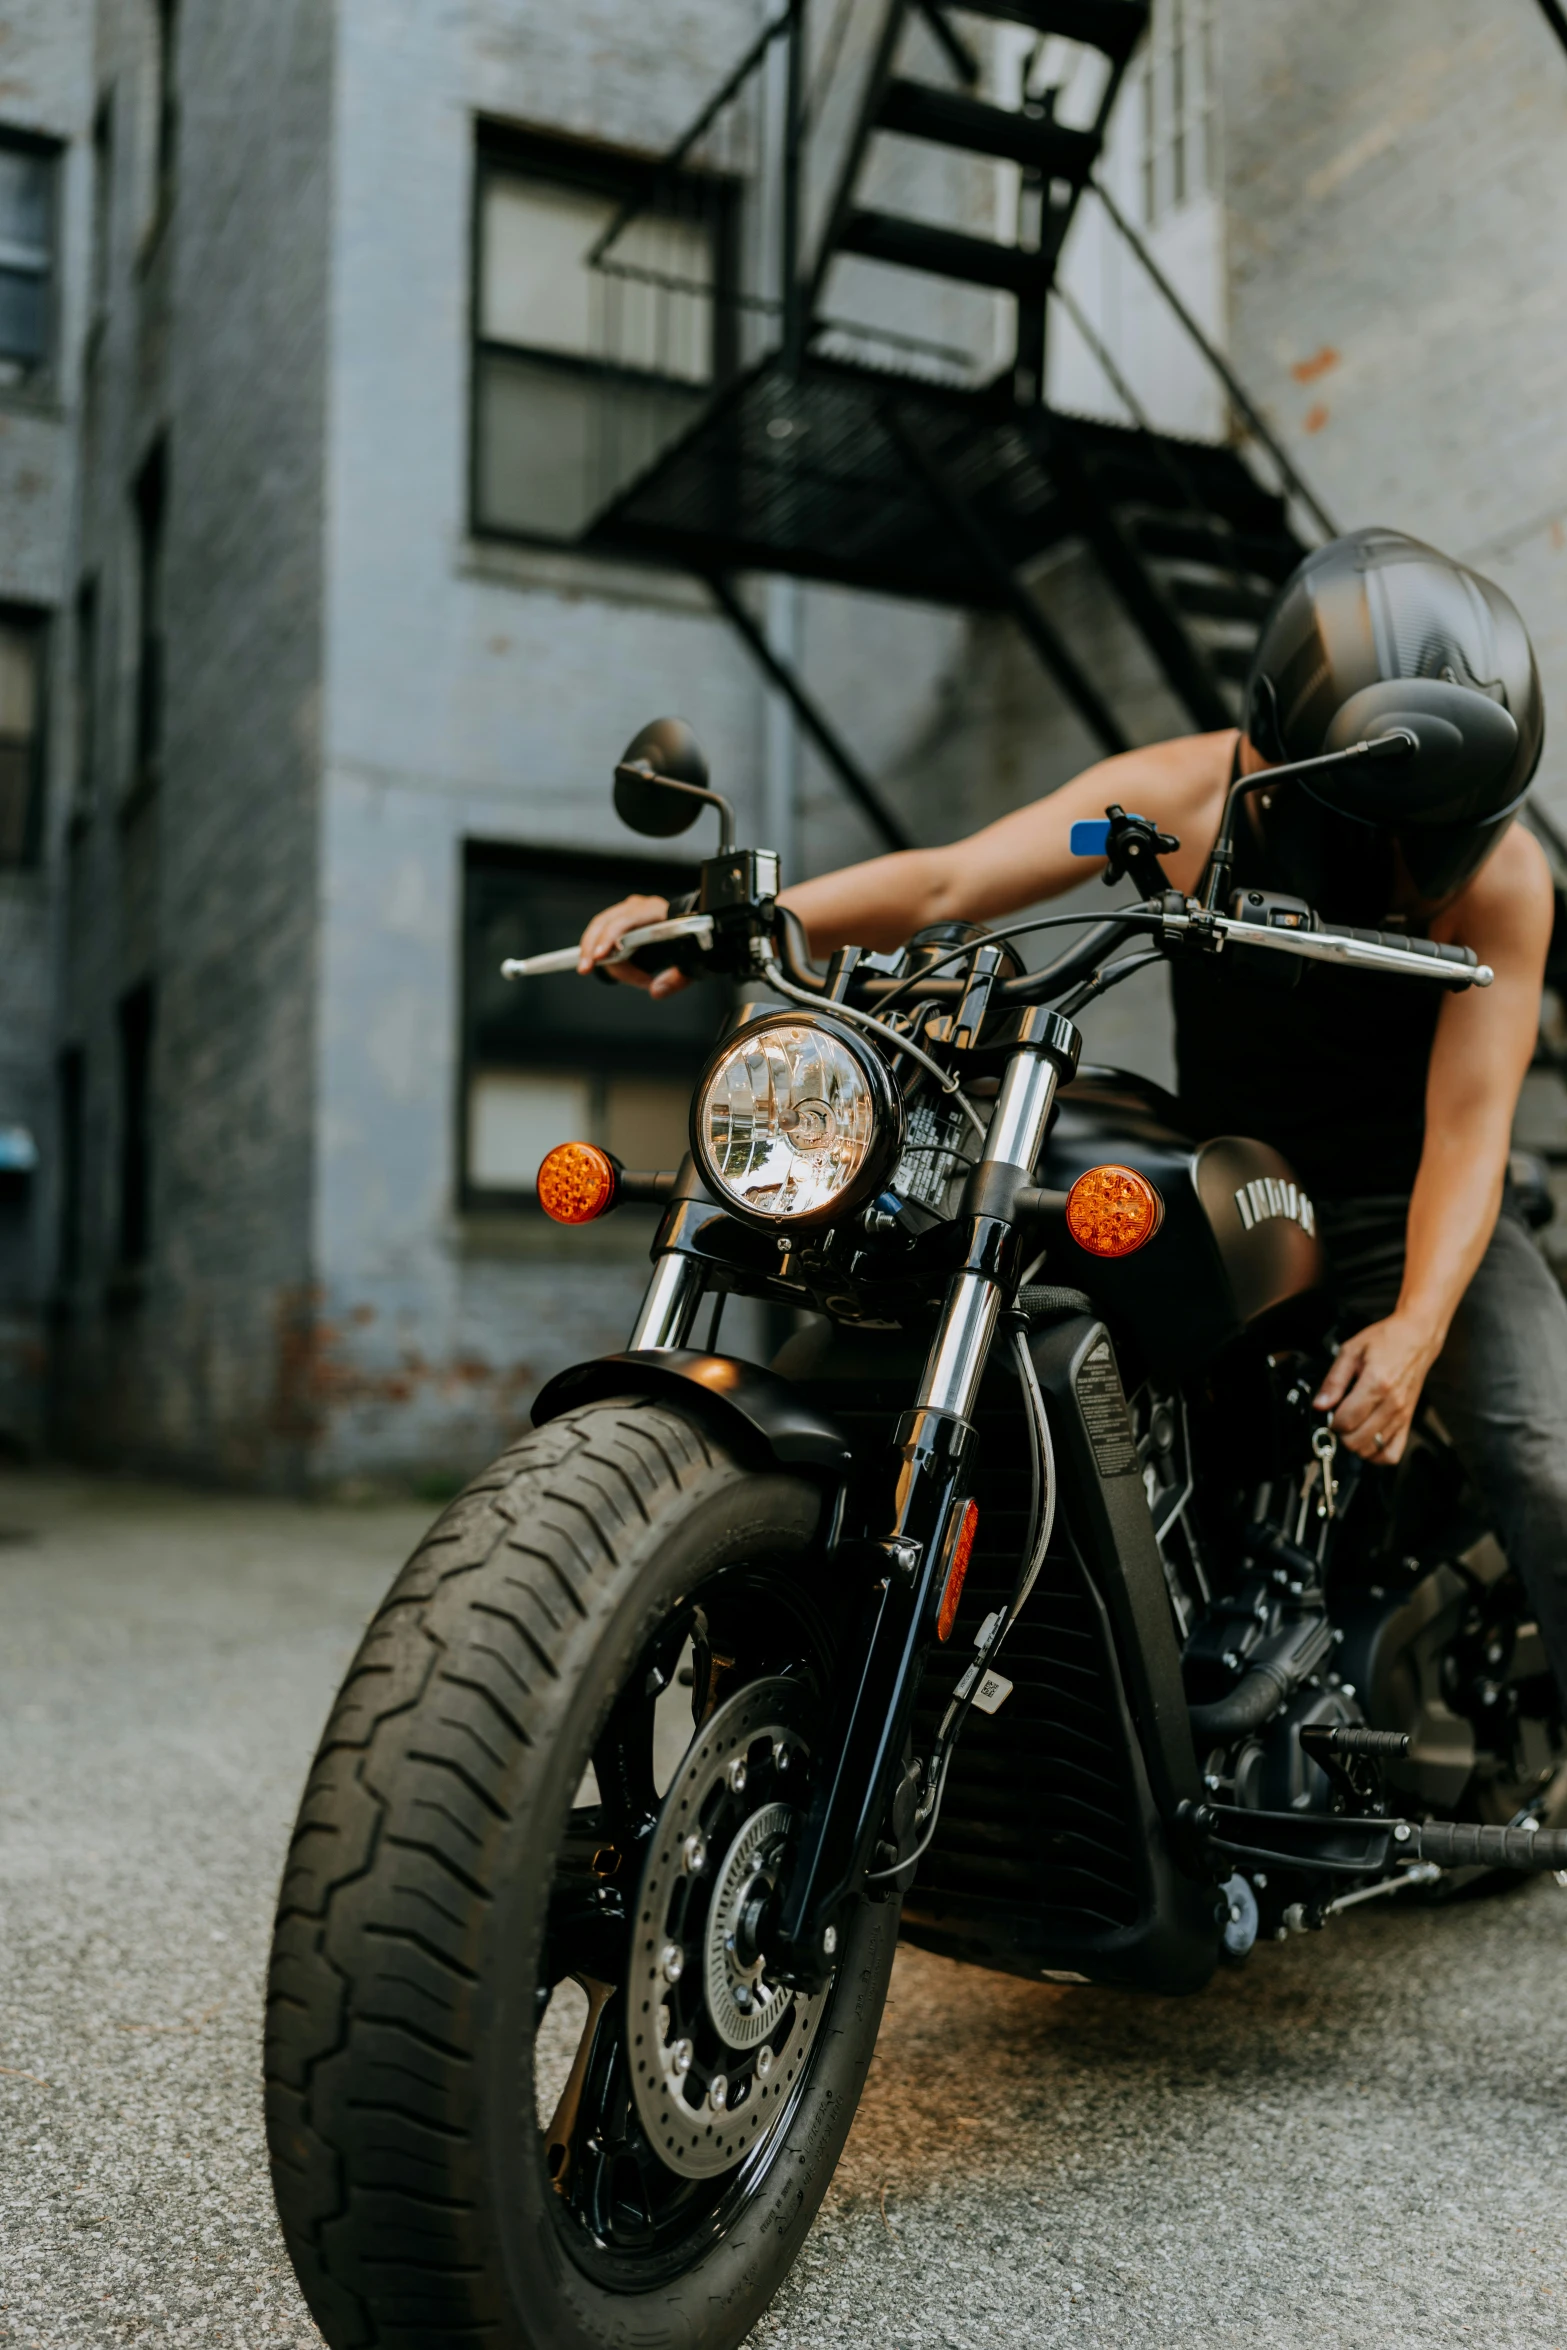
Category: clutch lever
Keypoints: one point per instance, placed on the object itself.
(696, 927)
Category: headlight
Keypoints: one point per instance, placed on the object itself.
(796, 1121)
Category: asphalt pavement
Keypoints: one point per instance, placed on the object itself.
(1358, 2140)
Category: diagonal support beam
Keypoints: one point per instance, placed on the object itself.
(1556, 17)
(850, 774)
(1051, 648)
(1186, 669)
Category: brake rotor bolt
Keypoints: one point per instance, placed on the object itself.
(673, 1962)
(735, 1775)
(680, 2056)
(764, 2063)
(718, 2092)
(693, 1856)
(743, 1997)
(830, 1940)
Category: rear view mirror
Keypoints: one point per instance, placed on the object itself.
(661, 781)
(1464, 746)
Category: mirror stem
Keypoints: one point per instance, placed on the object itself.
(1399, 743)
(643, 773)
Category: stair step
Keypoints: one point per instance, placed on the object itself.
(1218, 599)
(1189, 541)
(950, 118)
(942, 252)
(1114, 26)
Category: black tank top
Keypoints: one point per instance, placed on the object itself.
(1332, 1072)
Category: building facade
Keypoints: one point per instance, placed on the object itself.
(308, 700)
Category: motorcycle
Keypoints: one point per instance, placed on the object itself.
(1024, 1606)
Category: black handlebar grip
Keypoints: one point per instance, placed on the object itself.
(1459, 1844)
(1462, 958)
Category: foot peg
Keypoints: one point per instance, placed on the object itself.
(1461, 1844)
(1322, 1739)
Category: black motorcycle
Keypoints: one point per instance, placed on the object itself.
(1024, 1606)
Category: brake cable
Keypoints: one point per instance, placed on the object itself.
(891, 1037)
(1042, 1520)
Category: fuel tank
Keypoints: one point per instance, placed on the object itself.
(1238, 1245)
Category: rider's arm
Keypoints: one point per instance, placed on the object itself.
(1023, 857)
(1484, 1044)
(1010, 864)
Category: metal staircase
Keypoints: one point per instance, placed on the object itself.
(840, 449)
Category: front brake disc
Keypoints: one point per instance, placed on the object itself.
(716, 2048)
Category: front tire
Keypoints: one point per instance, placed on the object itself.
(446, 1877)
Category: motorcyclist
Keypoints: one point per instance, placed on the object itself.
(1393, 1100)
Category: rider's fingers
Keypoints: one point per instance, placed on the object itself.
(600, 936)
(669, 982)
(1341, 1373)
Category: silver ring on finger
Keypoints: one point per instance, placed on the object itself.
(1379, 1441)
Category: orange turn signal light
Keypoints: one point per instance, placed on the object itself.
(962, 1550)
(1113, 1210)
(577, 1181)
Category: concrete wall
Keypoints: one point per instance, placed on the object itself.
(484, 691)
(205, 885)
(1397, 193)
(46, 87)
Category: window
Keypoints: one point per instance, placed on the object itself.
(581, 375)
(150, 499)
(86, 694)
(22, 641)
(28, 170)
(136, 1031)
(72, 1102)
(1180, 92)
(102, 202)
(566, 1059)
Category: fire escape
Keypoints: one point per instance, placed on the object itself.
(834, 445)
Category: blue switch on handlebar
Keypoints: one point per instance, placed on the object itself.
(1089, 837)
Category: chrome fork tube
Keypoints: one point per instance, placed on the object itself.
(669, 1304)
(957, 1358)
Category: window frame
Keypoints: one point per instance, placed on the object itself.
(42, 378)
(38, 622)
(511, 150)
(1178, 110)
(615, 874)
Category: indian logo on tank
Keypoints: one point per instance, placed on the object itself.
(1269, 1197)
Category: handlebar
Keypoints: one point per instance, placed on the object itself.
(1176, 919)
(1361, 950)
(696, 927)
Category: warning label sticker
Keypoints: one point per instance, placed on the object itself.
(1102, 1402)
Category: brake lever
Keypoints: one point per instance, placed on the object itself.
(696, 927)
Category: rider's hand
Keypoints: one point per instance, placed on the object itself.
(603, 935)
(1375, 1384)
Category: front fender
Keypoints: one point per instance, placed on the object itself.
(757, 1414)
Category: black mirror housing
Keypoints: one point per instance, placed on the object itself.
(652, 770)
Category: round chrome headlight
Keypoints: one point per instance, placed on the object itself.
(795, 1122)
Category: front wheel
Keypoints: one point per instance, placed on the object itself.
(528, 2079)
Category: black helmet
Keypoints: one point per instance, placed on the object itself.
(1361, 613)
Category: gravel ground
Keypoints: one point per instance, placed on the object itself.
(1358, 2140)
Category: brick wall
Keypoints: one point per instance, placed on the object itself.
(204, 884)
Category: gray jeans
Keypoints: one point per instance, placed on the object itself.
(1499, 1384)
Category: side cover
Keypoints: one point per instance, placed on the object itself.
(1052, 1856)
